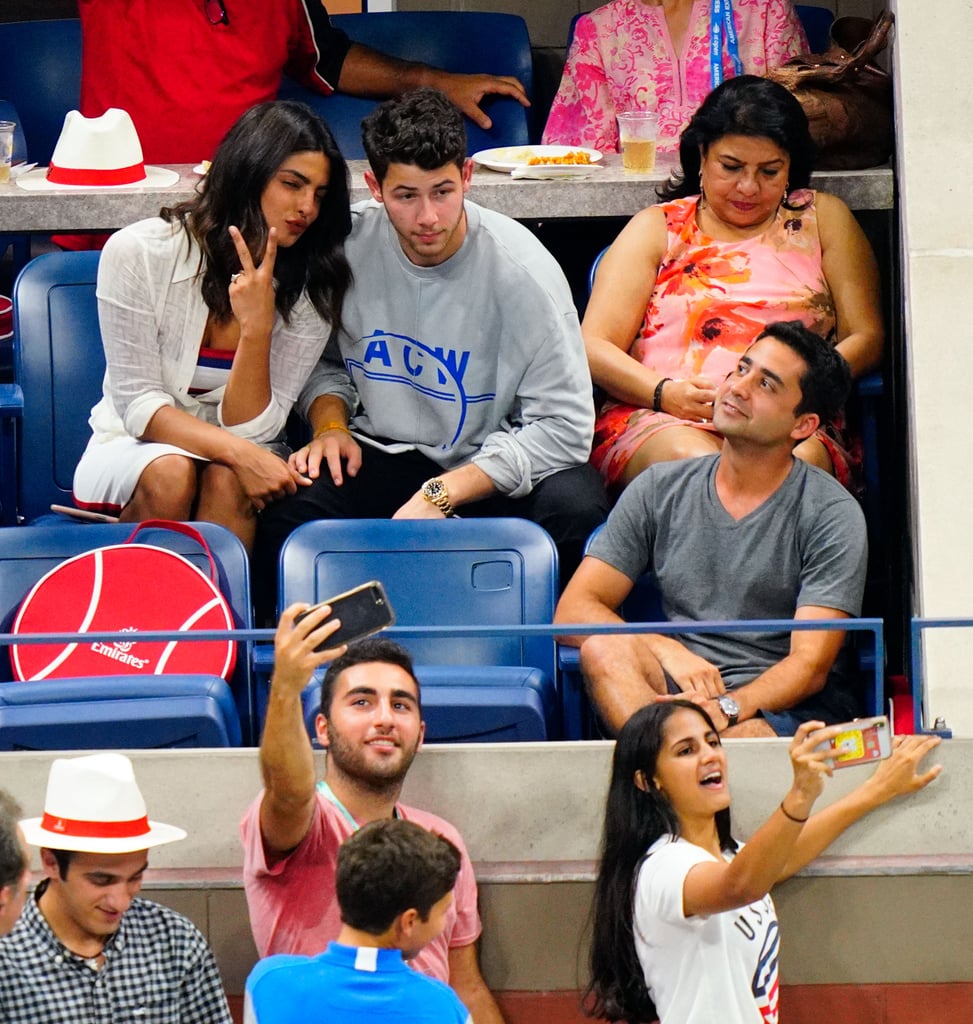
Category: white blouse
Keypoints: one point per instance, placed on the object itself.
(152, 316)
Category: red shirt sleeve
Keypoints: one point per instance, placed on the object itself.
(318, 49)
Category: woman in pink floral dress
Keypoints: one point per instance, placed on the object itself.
(655, 55)
(740, 242)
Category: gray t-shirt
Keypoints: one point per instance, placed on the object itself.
(805, 545)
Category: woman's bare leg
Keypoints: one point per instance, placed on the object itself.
(668, 445)
(165, 490)
(222, 500)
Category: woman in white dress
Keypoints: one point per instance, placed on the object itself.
(212, 316)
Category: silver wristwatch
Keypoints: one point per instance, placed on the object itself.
(730, 708)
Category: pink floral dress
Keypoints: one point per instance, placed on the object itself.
(711, 300)
(621, 58)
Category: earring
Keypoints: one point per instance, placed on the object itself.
(702, 191)
(787, 192)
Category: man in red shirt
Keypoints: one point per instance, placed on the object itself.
(187, 69)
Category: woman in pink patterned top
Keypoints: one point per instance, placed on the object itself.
(741, 242)
(655, 55)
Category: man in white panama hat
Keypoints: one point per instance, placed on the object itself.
(85, 947)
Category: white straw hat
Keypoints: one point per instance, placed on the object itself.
(97, 152)
(93, 805)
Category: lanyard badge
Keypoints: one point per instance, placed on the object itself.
(720, 25)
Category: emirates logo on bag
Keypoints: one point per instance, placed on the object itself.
(120, 650)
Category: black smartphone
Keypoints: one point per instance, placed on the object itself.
(363, 611)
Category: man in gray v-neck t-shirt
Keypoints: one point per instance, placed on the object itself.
(751, 533)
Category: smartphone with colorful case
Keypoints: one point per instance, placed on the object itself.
(860, 742)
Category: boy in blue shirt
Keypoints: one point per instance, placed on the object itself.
(394, 883)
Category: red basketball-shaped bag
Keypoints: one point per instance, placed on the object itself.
(125, 588)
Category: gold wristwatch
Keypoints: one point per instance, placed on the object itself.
(434, 491)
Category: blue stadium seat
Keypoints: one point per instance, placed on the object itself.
(108, 712)
(41, 74)
(458, 41)
(58, 369)
(817, 26)
(458, 572)
(506, 706)
(122, 711)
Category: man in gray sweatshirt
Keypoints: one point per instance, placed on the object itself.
(458, 381)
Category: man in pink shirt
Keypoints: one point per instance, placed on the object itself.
(371, 725)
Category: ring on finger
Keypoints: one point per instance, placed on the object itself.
(233, 277)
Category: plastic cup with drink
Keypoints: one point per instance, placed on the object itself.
(6, 149)
(637, 132)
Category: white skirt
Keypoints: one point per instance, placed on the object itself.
(109, 471)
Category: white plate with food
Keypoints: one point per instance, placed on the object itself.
(508, 158)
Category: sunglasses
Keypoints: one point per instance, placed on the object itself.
(216, 12)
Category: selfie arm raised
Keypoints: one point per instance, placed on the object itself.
(899, 775)
(286, 758)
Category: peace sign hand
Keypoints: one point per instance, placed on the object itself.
(252, 289)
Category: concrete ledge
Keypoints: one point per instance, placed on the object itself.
(565, 871)
(609, 193)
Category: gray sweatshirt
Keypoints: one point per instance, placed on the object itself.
(478, 359)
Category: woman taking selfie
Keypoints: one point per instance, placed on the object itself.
(684, 926)
(212, 316)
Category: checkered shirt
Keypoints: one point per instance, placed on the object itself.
(158, 969)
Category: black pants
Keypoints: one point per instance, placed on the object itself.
(568, 504)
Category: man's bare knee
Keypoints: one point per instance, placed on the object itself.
(605, 655)
(616, 678)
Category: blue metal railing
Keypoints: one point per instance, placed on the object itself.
(872, 625)
(916, 672)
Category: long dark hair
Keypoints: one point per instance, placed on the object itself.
(634, 819)
(750, 106)
(247, 158)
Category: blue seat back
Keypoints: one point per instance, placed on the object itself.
(100, 712)
(817, 26)
(59, 363)
(27, 553)
(41, 74)
(458, 41)
(504, 706)
(454, 572)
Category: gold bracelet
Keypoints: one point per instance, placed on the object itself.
(790, 817)
(331, 426)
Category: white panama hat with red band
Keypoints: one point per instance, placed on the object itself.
(93, 805)
(97, 152)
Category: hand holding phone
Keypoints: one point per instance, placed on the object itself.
(862, 741)
(363, 611)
